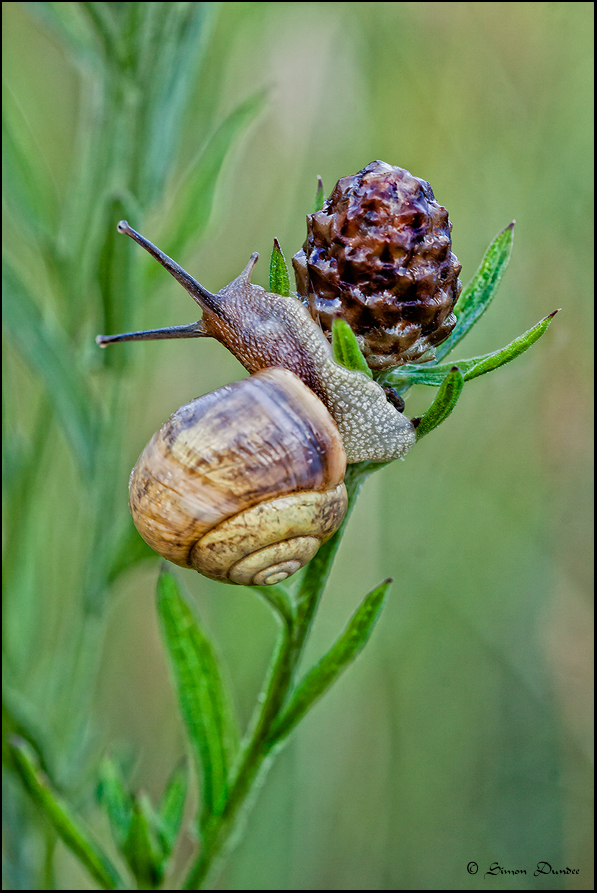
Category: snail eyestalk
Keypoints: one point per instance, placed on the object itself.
(201, 295)
(267, 330)
(192, 330)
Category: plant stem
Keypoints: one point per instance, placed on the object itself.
(259, 748)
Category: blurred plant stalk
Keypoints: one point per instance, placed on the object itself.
(138, 67)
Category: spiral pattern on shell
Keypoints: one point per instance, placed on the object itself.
(379, 255)
(243, 484)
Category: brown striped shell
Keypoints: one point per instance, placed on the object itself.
(243, 484)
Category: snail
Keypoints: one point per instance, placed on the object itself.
(245, 483)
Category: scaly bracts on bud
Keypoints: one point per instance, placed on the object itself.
(379, 255)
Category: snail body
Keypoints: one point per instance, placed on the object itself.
(264, 329)
(245, 483)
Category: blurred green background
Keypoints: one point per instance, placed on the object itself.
(463, 733)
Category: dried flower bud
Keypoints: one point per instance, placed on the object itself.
(379, 255)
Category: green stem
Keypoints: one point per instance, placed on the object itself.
(48, 877)
(259, 747)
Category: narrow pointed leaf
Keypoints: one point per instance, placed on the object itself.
(346, 348)
(142, 850)
(500, 357)
(129, 548)
(204, 701)
(50, 354)
(478, 294)
(78, 838)
(22, 467)
(116, 801)
(171, 807)
(104, 24)
(433, 376)
(69, 26)
(319, 197)
(279, 280)
(194, 198)
(27, 183)
(444, 402)
(115, 276)
(167, 76)
(20, 721)
(319, 679)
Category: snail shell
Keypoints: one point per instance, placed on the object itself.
(245, 483)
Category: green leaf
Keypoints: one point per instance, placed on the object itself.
(319, 679)
(27, 180)
(116, 263)
(319, 197)
(433, 376)
(144, 837)
(346, 347)
(478, 294)
(444, 402)
(50, 354)
(129, 548)
(279, 280)
(142, 848)
(71, 830)
(203, 698)
(116, 800)
(194, 197)
(171, 807)
(22, 473)
(178, 35)
(104, 24)
(499, 358)
(20, 720)
(69, 26)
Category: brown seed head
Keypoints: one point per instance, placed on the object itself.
(379, 255)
